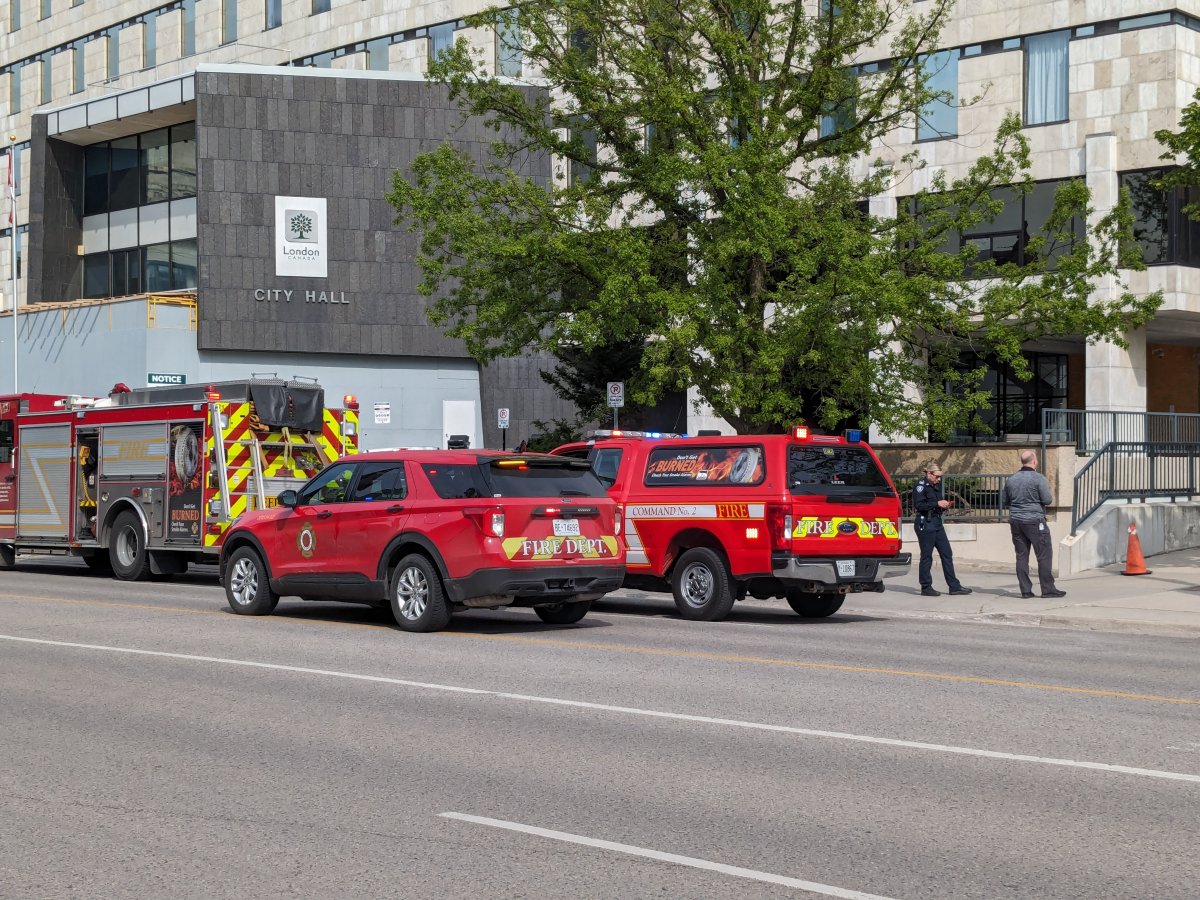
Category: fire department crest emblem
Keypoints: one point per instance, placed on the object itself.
(306, 541)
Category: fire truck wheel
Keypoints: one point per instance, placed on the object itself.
(247, 586)
(567, 613)
(814, 606)
(418, 600)
(127, 548)
(8, 556)
(703, 587)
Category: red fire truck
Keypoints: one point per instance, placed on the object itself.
(142, 482)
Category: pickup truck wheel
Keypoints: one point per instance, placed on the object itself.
(702, 585)
(247, 586)
(566, 613)
(814, 606)
(127, 548)
(418, 599)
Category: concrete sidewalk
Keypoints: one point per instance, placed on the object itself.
(1167, 601)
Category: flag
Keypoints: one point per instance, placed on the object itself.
(12, 196)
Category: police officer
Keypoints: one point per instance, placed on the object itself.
(930, 504)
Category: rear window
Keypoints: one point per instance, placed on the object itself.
(516, 477)
(698, 466)
(834, 470)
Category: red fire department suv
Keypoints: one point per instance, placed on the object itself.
(803, 516)
(431, 531)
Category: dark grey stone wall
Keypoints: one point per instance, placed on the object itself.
(55, 268)
(260, 136)
(515, 383)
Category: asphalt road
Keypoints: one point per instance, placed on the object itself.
(153, 744)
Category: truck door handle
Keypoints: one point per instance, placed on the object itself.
(324, 514)
(396, 507)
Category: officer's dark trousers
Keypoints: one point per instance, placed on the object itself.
(931, 537)
(1024, 536)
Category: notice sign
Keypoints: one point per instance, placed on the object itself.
(383, 413)
(502, 417)
(301, 237)
(154, 379)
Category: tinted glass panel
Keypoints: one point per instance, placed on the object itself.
(183, 161)
(95, 275)
(940, 118)
(156, 267)
(380, 481)
(606, 462)
(120, 275)
(703, 466)
(95, 179)
(456, 481)
(183, 264)
(823, 470)
(1151, 214)
(327, 487)
(557, 477)
(156, 166)
(125, 183)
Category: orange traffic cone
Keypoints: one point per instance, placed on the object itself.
(1135, 563)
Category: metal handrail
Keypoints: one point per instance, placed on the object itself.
(978, 498)
(1090, 430)
(1135, 470)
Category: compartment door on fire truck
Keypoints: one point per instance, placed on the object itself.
(8, 469)
(44, 481)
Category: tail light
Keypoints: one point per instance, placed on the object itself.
(617, 522)
(496, 521)
(779, 521)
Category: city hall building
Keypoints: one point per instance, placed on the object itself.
(234, 156)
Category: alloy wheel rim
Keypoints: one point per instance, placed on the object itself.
(697, 585)
(412, 593)
(243, 582)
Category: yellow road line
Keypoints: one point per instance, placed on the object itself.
(678, 654)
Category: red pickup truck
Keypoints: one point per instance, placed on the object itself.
(802, 516)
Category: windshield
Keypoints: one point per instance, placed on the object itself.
(835, 470)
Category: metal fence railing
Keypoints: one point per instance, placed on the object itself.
(1135, 470)
(1090, 430)
(977, 498)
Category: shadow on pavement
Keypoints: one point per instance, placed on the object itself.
(759, 615)
(495, 622)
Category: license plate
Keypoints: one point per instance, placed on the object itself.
(845, 568)
(566, 528)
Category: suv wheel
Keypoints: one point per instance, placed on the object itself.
(566, 613)
(418, 600)
(702, 585)
(814, 606)
(127, 548)
(247, 586)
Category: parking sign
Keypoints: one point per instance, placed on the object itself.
(502, 417)
(616, 394)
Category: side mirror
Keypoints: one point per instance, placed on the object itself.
(288, 499)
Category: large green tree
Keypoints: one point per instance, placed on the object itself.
(1183, 149)
(715, 164)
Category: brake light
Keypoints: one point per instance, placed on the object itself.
(497, 524)
(779, 521)
(800, 432)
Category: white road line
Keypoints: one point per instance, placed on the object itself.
(737, 871)
(635, 711)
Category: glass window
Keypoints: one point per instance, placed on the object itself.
(46, 8)
(229, 21)
(95, 275)
(999, 240)
(380, 481)
(378, 57)
(510, 58)
(1165, 233)
(183, 264)
(320, 6)
(582, 169)
(78, 69)
(133, 266)
(183, 160)
(156, 166)
(705, 466)
(533, 477)
(156, 267)
(124, 189)
(441, 38)
(837, 117)
(274, 13)
(940, 117)
(327, 487)
(47, 92)
(1046, 66)
(816, 469)
(606, 463)
(14, 87)
(456, 481)
(14, 15)
(6, 440)
(187, 34)
(120, 273)
(1039, 205)
(114, 53)
(1016, 406)
(95, 179)
(149, 41)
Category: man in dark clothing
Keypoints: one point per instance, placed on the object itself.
(929, 504)
(1027, 494)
